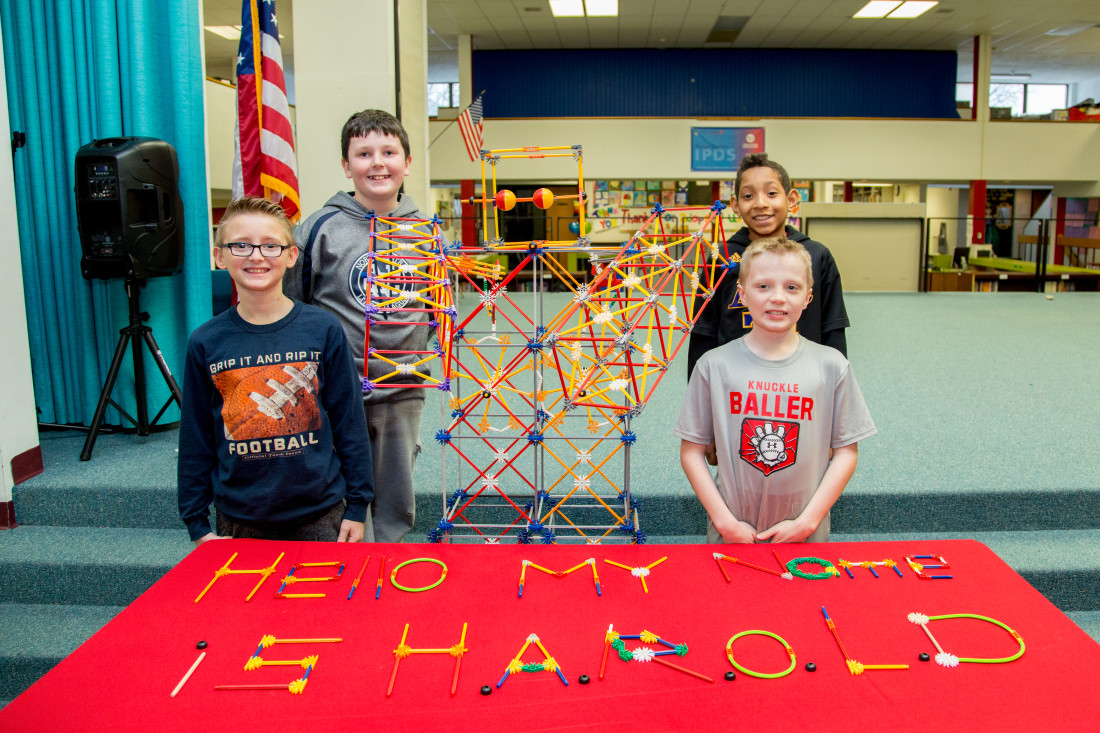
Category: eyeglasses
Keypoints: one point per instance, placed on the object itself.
(245, 249)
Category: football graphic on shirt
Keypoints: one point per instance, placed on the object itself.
(269, 401)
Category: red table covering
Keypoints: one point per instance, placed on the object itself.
(121, 678)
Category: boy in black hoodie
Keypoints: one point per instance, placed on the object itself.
(763, 197)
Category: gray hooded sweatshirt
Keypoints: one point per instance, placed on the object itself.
(333, 244)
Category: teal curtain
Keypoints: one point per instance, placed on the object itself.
(77, 71)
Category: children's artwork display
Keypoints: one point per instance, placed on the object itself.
(541, 407)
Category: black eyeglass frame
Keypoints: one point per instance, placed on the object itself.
(240, 252)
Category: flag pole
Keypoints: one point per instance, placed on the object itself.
(448, 127)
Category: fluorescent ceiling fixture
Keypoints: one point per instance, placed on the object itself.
(1009, 77)
(232, 32)
(912, 9)
(1071, 28)
(567, 8)
(601, 8)
(876, 9)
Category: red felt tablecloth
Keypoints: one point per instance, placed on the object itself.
(121, 678)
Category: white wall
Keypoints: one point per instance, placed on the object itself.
(413, 26)
(344, 62)
(870, 150)
(943, 208)
(1038, 152)
(877, 247)
(221, 120)
(19, 423)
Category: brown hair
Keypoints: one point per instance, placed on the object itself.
(363, 123)
(776, 246)
(255, 205)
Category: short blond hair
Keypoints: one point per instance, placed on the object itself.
(776, 246)
(255, 205)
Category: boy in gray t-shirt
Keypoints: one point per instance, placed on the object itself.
(785, 413)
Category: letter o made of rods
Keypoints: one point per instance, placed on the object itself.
(828, 569)
(761, 675)
(442, 576)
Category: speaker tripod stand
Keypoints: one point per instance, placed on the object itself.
(132, 336)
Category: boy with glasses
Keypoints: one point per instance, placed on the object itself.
(270, 429)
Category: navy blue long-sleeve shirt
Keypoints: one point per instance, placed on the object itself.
(272, 429)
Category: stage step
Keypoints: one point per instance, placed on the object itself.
(85, 566)
(46, 501)
(35, 637)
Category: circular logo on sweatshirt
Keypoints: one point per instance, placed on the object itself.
(386, 290)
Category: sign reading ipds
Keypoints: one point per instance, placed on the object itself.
(722, 148)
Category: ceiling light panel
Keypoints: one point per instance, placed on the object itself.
(601, 8)
(1072, 28)
(567, 8)
(876, 9)
(912, 9)
(232, 32)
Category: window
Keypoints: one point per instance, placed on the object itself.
(442, 94)
(1007, 95)
(1043, 98)
(1022, 99)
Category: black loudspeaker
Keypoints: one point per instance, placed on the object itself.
(128, 208)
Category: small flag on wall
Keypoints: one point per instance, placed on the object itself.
(469, 124)
(265, 164)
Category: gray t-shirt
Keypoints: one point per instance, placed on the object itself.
(774, 424)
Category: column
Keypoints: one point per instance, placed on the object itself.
(344, 61)
(412, 27)
(20, 455)
(983, 62)
(977, 211)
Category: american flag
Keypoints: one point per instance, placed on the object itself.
(264, 164)
(469, 124)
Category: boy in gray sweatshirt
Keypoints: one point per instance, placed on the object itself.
(334, 272)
